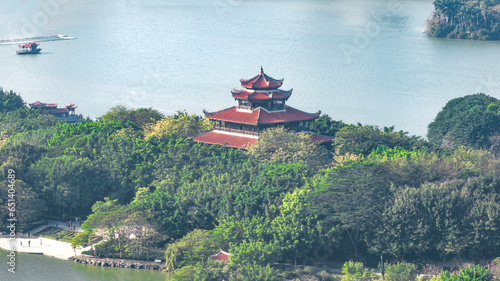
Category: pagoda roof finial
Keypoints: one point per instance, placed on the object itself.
(261, 82)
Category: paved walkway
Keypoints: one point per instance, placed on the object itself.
(59, 224)
(45, 246)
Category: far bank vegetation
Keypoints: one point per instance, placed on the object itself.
(462, 19)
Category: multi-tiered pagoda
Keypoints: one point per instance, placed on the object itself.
(261, 105)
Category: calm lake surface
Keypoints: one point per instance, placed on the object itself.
(41, 268)
(361, 61)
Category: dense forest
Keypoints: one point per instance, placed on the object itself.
(143, 185)
(465, 19)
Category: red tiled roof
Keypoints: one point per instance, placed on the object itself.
(261, 116)
(28, 45)
(243, 142)
(317, 137)
(221, 256)
(70, 106)
(38, 104)
(261, 95)
(261, 81)
(236, 141)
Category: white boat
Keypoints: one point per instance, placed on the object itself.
(38, 39)
(65, 37)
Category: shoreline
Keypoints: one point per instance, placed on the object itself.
(43, 246)
(48, 247)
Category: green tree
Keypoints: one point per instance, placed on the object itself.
(400, 272)
(349, 198)
(10, 101)
(194, 247)
(232, 231)
(324, 125)
(81, 239)
(293, 230)
(364, 139)
(181, 124)
(279, 144)
(69, 183)
(253, 251)
(465, 121)
(140, 117)
(105, 219)
(162, 209)
(27, 205)
(462, 19)
(452, 218)
(355, 271)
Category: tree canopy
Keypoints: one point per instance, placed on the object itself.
(280, 144)
(463, 19)
(10, 101)
(465, 121)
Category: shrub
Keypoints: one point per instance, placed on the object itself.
(254, 271)
(400, 272)
(355, 271)
(470, 273)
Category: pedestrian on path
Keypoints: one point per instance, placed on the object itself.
(21, 243)
(40, 242)
(29, 243)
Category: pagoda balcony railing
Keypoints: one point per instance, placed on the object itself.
(237, 131)
(245, 107)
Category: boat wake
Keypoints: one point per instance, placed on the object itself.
(38, 39)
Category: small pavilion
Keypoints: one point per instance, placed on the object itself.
(221, 256)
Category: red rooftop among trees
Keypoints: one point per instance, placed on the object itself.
(66, 113)
(261, 105)
(221, 256)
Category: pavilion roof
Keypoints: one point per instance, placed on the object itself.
(230, 140)
(221, 256)
(38, 104)
(261, 115)
(246, 94)
(261, 81)
(28, 45)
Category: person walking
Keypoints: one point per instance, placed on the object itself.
(29, 243)
(40, 242)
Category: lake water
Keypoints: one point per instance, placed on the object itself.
(41, 268)
(361, 61)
